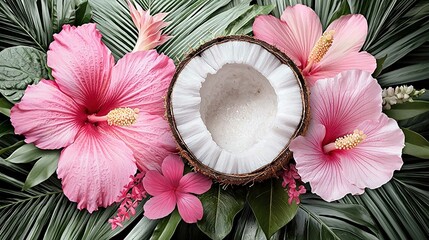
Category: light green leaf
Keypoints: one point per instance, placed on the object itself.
(25, 154)
(407, 110)
(42, 169)
(269, 203)
(20, 67)
(220, 208)
(166, 227)
(415, 144)
(11, 147)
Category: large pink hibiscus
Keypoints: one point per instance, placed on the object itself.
(350, 144)
(107, 117)
(298, 33)
(172, 188)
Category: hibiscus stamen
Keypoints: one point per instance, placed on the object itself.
(117, 117)
(346, 142)
(320, 49)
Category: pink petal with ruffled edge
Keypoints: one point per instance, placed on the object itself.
(344, 102)
(93, 171)
(149, 138)
(47, 117)
(172, 169)
(194, 183)
(350, 34)
(81, 65)
(190, 207)
(372, 163)
(156, 184)
(160, 205)
(324, 172)
(295, 34)
(140, 80)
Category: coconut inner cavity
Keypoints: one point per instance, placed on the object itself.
(238, 106)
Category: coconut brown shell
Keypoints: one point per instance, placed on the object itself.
(282, 159)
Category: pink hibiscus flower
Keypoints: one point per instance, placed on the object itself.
(298, 33)
(173, 188)
(149, 28)
(350, 143)
(106, 117)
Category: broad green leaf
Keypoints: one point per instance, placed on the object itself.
(220, 207)
(5, 107)
(25, 154)
(415, 144)
(317, 219)
(83, 13)
(244, 24)
(143, 229)
(166, 227)
(269, 203)
(282, 4)
(248, 228)
(343, 9)
(407, 110)
(42, 169)
(20, 67)
(11, 147)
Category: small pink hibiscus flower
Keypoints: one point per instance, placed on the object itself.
(173, 188)
(350, 144)
(298, 33)
(149, 28)
(107, 117)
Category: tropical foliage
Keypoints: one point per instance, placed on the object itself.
(32, 205)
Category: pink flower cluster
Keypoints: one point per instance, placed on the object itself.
(290, 177)
(130, 197)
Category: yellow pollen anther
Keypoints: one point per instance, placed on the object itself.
(322, 46)
(122, 116)
(350, 141)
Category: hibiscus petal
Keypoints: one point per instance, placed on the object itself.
(140, 80)
(149, 138)
(46, 116)
(372, 163)
(95, 168)
(81, 64)
(172, 168)
(194, 183)
(155, 184)
(354, 60)
(160, 206)
(190, 207)
(350, 34)
(295, 34)
(347, 100)
(324, 172)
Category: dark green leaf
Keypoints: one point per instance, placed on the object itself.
(42, 169)
(380, 62)
(317, 219)
(269, 203)
(83, 13)
(243, 25)
(11, 147)
(407, 110)
(5, 107)
(220, 207)
(415, 144)
(143, 229)
(166, 227)
(5, 128)
(25, 154)
(248, 228)
(408, 74)
(343, 9)
(20, 67)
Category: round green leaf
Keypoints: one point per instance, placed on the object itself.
(20, 67)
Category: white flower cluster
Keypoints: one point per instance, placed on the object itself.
(400, 94)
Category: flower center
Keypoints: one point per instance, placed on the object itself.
(321, 48)
(117, 117)
(346, 142)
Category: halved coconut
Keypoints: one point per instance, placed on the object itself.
(234, 105)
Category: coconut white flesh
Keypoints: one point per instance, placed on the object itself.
(236, 106)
